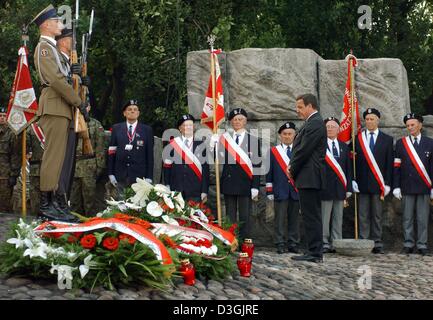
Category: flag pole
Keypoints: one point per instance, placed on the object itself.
(25, 38)
(211, 41)
(354, 125)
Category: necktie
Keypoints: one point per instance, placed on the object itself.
(371, 141)
(130, 131)
(415, 143)
(334, 150)
(187, 143)
(289, 152)
(237, 138)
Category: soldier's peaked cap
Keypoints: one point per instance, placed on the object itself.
(287, 125)
(130, 103)
(65, 33)
(48, 13)
(184, 118)
(413, 116)
(236, 112)
(371, 111)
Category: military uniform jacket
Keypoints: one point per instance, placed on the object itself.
(57, 95)
(334, 188)
(406, 175)
(10, 160)
(309, 149)
(126, 165)
(277, 182)
(93, 165)
(383, 153)
(234, 180)
(181, 177)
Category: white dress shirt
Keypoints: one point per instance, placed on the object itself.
(418, 138)
(190, 140)
(336, 145)
(134, 125)
(241, 134)
(368, 135)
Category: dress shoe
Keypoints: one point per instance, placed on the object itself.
(407, 250)
(60, 204)
(378, 250)
(307, 258)
(280, 250)
(292, 250)
(423, 251)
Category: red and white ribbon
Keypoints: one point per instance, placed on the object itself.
(187, 155)
(283, 161)
(416, 161)
(335, 166)
(238, 153)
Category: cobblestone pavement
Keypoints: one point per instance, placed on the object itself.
(274, 277)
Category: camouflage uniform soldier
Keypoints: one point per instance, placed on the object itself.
(88, 170)
(9, 162)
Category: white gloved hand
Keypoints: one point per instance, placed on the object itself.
(254, 193)
(387, 190)
(113, 180)
(355, 186)
(431, 194)
(204, 197)
(213, 141)
(397, 193)
(270, 197)
(348, 195)
(148, 180)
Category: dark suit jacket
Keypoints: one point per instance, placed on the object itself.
(180, 177)
(308, 154)
(334, 189)
(384, 155)
(234, 180)
(136, 163)
(406, 176)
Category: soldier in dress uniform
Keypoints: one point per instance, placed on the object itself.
(283, 192)
(130, 153)
(57, 104)
(240, 154)
(10, 162)
(413, 174)
(88, 169)
(374, 166)
(338, 185)
(185, 168)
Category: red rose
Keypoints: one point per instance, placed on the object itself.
(88, 241)
(72, 239)
(110, 243)
(123, 236)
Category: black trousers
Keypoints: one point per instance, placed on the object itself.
(309, 200)
(243, 205)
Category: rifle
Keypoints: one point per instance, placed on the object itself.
(80, 124)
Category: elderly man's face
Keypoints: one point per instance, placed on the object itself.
(238, 122)
(287, 136)
(371, 122)
(187, 128)
(414, 127)
(131, 113)
(332, 129)
(2, 118)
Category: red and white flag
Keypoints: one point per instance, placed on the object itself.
(23, 105)
(346, 116)
(208, 110)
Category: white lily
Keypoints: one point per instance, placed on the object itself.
(142, 189)
(112, 202)
(84, 268)
(169, 220)
(199, 214)
(180, 201)
(168, 201)
(154, 209)
(18, 242)
(64, 275)
(161, 189)
(133, 206)
(39, 251)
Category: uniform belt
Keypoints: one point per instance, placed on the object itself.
(85, 157)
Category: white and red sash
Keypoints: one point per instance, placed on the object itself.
(416, 161)
(39, 134)
(238, 153)
(187, 155)
(283, 161)
(372, 162)
(335, 166)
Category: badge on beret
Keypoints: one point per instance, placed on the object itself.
(44, 52)
(235, 111)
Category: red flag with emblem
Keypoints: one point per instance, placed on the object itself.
(345, 133)
(23, 105)
(207, 114)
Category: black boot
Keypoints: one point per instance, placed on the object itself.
(46, 209)
(61, 205)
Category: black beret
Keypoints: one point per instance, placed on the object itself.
(65, 33)
(48, 13)
(413, 116)
(3, 110)
(184, 118)
(236, 112)
(287, 125)
(331, 119)
(130, 103)
(371, 111)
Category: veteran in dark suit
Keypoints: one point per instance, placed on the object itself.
(307, 170)
(130, 153)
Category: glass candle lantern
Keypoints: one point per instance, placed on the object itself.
(244, 264)
(188, 272)
(248, 247)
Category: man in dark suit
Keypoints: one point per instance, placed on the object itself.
(283, 192)
(338, 173)
(130, 153)
(413, 174)
(307, 170)
(374, 168)
(240, 155)
(185, 168)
